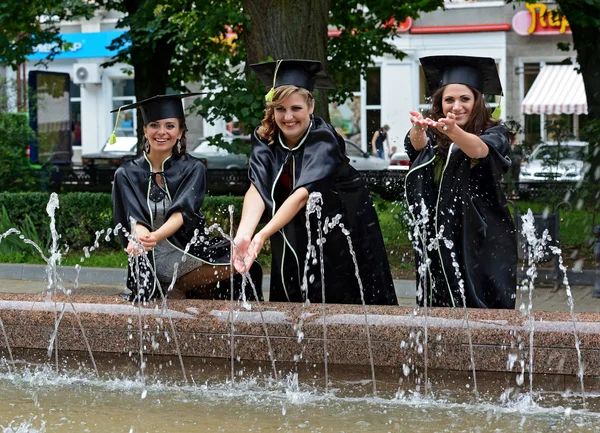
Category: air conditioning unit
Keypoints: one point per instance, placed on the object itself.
(86, 73)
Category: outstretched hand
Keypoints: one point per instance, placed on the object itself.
(418, 121)
(446, 125)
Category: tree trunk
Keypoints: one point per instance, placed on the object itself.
(585, 41)
(584, 23)
(151, 68)
(151, 63)
(289, 29)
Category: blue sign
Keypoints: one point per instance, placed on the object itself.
(83, 45)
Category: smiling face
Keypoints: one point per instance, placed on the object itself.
(292, 116)
(163, 134)
(460, 100)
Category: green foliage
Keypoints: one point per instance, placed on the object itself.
(22, 32)
(196, 32)
(15, 172)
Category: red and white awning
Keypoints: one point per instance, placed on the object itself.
(558, 89)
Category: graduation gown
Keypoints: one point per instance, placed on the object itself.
(185, 183)
(467, 208)
(318, 163)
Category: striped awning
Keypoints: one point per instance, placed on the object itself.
(558, 89)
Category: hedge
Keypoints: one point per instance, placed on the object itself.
(15, 172)
(80, 215)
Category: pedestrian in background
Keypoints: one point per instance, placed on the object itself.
(377, 142)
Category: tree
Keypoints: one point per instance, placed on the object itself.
(584, 20)
(171, 42)
(25, 25)
(275, 29)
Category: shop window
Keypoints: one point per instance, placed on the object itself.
(345, 118)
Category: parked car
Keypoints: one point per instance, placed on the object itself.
(110, 155)
(550, 162)
(399, 161)
(215, 157)
(361, 160)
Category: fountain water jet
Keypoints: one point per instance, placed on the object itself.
(202, 327)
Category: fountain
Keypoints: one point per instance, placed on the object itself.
(191, 365)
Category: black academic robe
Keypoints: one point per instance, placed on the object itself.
(318, 163)
(467, 208)
(185, 183)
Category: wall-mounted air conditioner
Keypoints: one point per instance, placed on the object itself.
(86, 73)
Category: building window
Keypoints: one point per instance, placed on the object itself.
(123, 93)
(373, 99)
(345, 118)
(75, 114)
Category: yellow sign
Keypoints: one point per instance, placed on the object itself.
(544, 19)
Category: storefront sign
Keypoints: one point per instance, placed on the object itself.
(538, 19)
(81, 45)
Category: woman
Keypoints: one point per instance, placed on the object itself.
(463, 233)
(295, 154)
(162, 191)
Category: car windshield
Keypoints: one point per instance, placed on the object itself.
(549, 153)
(123, 144)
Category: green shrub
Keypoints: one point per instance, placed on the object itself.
(81, 216)
(15, 172)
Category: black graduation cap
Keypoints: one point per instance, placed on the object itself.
(307, 74)
(477, 72)
(159, 107)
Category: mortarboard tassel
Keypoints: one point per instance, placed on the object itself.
(113, 136)
(269, 96)
(497, 111)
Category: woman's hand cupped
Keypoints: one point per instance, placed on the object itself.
(149, 241)
(240, 252)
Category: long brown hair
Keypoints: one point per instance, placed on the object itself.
(268, 127)
(479, 120)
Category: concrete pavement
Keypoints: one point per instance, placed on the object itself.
(19, 278)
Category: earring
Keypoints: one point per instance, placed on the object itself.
(146, 145)
(178, 146)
